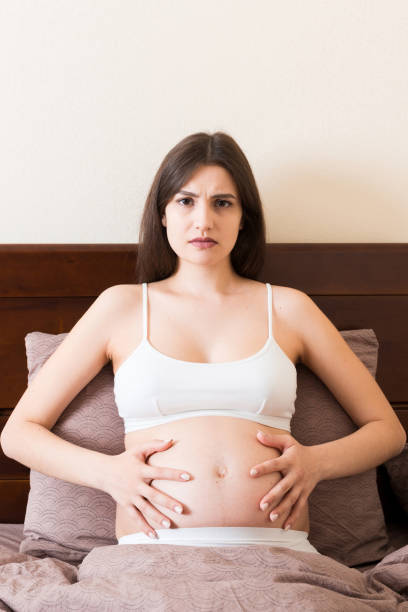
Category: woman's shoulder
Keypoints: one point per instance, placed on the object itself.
(284, 297)
(118, 300)
(287, 293)
(289, 303)
(122, 304)
(118, 293)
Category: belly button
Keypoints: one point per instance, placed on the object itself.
(221, 471)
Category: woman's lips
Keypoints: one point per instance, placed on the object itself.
(203, 244)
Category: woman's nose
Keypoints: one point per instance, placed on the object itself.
(203, 215)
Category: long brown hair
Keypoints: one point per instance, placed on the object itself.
(156, 259)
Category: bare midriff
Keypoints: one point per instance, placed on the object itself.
(218, 452)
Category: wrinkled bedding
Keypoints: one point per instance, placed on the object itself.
(182, 578)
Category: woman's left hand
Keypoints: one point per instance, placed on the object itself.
(300, 472)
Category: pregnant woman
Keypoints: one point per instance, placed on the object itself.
(204, 357)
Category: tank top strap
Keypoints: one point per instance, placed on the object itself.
(144, 311)
(269, 309)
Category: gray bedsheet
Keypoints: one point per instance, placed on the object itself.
(183, 578)
(11, 535)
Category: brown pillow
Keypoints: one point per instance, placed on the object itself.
(346, 516)
(66, 520)
(397, 468)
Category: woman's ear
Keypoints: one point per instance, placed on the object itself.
(163, 220)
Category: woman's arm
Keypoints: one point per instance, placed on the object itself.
(365, 448)
(380, 434)
(38, 448)
(26, 436)
(327, 354)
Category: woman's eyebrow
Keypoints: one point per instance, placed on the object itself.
(216, 195)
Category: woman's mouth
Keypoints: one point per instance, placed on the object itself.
(203, 244)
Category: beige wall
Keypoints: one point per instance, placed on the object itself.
(95, 92)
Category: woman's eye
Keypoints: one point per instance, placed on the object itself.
(189, 200)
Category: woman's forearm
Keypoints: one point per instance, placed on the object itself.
(369, 446)
(38, 448)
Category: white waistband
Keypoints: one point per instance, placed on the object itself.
(225, 536)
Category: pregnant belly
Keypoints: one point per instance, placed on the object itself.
(218, 452)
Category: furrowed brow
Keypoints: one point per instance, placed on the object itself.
(216, 195)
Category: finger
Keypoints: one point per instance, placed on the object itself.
(150, 472)
(284, 508)
(159, 498)
(281, 441)
(144, 525)
(268, 466)
(152, 446)
(275, 495)
(151, 514)
(295, 512)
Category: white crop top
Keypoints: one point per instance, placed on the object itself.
(151, 388)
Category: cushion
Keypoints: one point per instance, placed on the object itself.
(346, 517)
(397, 468)
(62, 519)
(66, 520)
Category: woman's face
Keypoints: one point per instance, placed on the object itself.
(210, 209)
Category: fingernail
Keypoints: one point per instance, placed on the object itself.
(169, 440)
(264, 505)
(152, 535)
(287, 527)
(178, 509)
(165, 523)
(260, 432)
(253, 472)
(185, 476)
(273, 517)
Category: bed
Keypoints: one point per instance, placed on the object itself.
(57, 544)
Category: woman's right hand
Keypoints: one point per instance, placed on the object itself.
(128, 482)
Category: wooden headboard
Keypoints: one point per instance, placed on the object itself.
(48, 287)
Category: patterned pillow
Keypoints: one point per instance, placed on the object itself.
(346, 517)
(66, 521)
(397, 468)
